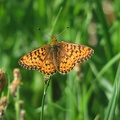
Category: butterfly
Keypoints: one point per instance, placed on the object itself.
(56, 56)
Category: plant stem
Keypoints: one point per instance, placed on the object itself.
(44, 94)
(43, 100)
(17, 108)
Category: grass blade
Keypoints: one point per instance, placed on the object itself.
(114, 99)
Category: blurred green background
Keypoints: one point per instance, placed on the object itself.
(91, 90)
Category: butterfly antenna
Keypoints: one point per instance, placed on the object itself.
(44, 32)
(63, 31)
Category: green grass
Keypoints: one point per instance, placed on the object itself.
(87, 94)
(114, 97)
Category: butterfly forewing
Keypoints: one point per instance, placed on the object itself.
(38, 59)
(71, 54)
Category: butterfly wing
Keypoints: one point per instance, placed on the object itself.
(39, 59)
(71, 54)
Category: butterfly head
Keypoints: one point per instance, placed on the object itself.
(54, 40)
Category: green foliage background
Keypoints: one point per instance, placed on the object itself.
(91, 93)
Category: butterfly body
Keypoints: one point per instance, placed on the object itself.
(56, 56)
